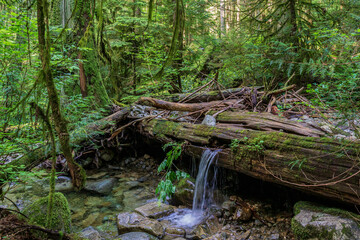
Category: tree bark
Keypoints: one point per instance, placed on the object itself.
(76, 171)
(321, 166)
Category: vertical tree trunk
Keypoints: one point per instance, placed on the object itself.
(77, 172)
(222, 18)
(82, 76)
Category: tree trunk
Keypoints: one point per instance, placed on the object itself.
(322, 166)
(76, 171)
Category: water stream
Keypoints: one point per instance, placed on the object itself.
(203, 194)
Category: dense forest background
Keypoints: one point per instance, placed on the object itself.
(102, 53)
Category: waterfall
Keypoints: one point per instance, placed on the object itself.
(203, 194)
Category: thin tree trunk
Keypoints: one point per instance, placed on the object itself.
(77, 172)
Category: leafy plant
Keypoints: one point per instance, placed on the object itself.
(166, 187)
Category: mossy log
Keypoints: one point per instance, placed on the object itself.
(32, 159)
(322, 166)
(266, 122)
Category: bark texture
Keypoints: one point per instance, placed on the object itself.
(321, 166)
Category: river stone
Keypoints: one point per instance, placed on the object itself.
(90, 233)
(63, 184)
(155, 210)
(97, 175)
(136, 235)
(209, 121)
(103, 187)
(107, 155)
(324, 223)
(134, 222)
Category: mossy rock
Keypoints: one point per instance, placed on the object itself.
(314, 221)
(184, 192)
(60, 217)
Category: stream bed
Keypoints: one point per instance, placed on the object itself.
(122, 189)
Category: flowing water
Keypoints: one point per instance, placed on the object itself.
(203, 194)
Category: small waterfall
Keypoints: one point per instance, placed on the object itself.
(203, 194)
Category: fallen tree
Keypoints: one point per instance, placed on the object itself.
(319, 165)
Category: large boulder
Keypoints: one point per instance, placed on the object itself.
(184, 192)
(319, 222)
(155, 210)
(135, 222)
(60, 216)
(103, 187)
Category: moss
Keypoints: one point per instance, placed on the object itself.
(308, 232)
(60, 217)
(319, 208)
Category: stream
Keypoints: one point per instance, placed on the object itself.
(122, 189)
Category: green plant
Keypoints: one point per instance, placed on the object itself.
(166, 187)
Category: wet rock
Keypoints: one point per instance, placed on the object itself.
(155, 210)
(64, 184)
(134, 222)
(103, 187)
(136, 235)
(97, 175)
(209, 121)
(78, 215)
(93, 201)
(312, 221)
(175, 232)
(90, 233)
(242, 214)
(90, 219)
(184, 193)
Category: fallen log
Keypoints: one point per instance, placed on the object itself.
(209, 95)
(35, 157)
(321, 166)
(187, 107)
(266, 122)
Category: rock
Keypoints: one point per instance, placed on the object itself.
(146, 156)
(97, 175)
(90, 233)
(101, 186)
(136, 235)
(313, 221)
(175, 232)
(184, 193)
(60, 217)
(64, 184)
(129, 160)
(245, 235)
(209, 121)
(229, 206)
(107, 155)
(242, 214)
(155, 210)
(274, 236)
(90, 219)
(93, 201)
(78, 215)
(134, 222)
